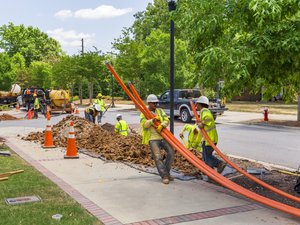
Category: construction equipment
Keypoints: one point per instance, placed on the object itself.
(60, 101)
(10, 97)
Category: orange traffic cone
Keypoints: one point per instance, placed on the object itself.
(48, 116)
(48, 143)
(17, 107)
(76, 110)
(71, 148)
(29, 114)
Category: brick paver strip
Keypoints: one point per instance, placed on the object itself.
(106, 218)
(85, 202)
(204, 215)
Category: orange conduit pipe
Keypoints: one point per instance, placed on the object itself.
(258, 181)
(177, 145)
(201, 165)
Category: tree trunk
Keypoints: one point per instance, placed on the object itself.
(91, 92)
(80, 93)
(298, 117)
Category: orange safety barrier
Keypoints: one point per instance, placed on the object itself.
(200, 164)
(48, 143)
(71, 152)
(258, 181)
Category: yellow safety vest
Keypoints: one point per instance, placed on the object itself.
(194, 141)
(208, 121)
(101, 103)
(151, 133)
(121, 127)
(36, 103)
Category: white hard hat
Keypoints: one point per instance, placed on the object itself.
(97, 107)
(203, 100)
(152, 98)
(118, 116)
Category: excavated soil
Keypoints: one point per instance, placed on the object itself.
(101, 141)
(7, 117)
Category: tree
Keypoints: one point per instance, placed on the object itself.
(30, 42)
(40, 74)
(6, 72)
(248, 44)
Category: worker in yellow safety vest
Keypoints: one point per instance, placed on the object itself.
(92, 112)
(208, 123)
(121, 126)
(151, 135)
(36, 106)
(194, 137)
(99, 100)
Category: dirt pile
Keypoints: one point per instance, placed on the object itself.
(103, 142)
(7, 117)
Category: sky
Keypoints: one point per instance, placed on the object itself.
(98, 22)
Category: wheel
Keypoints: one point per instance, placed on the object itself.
(185, 115)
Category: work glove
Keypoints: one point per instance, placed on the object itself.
(159, 128)
(181, 135)
(156, 118)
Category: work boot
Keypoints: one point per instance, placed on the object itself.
(221, 166)
(171, 178)
(166, 180)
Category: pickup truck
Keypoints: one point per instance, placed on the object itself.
(182, 107)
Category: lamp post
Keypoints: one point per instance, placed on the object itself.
(112, 92)
(172, 7)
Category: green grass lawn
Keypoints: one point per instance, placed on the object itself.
(31, 182)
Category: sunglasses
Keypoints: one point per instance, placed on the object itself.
(154, 103)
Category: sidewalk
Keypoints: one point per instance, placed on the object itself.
(118, 194)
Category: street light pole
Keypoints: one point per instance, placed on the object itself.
(172, 7)
(112, 92)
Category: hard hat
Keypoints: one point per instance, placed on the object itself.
(97, 107)
(152, 98)
(99, 95)
(118, 116)
(203, 100)
(34, 95)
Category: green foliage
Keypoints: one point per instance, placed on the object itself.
(248, 44)
(30, 42)
(40, 74)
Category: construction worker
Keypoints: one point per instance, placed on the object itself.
(92, 112)
(151, 135)
(208, 123)
(101, 103)
(121, 126)
(194, 136)
(36, 105)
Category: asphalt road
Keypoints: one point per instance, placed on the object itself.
(276, 145)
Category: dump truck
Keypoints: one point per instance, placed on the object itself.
(10, 97)
(60, 101)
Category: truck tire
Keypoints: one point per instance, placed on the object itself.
(185, 115)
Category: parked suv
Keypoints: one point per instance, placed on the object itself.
(182, 107)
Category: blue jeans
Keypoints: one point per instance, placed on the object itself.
(207, 154)
(163, 165)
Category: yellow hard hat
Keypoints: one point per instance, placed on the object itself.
(34, 95)
(99, 95)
